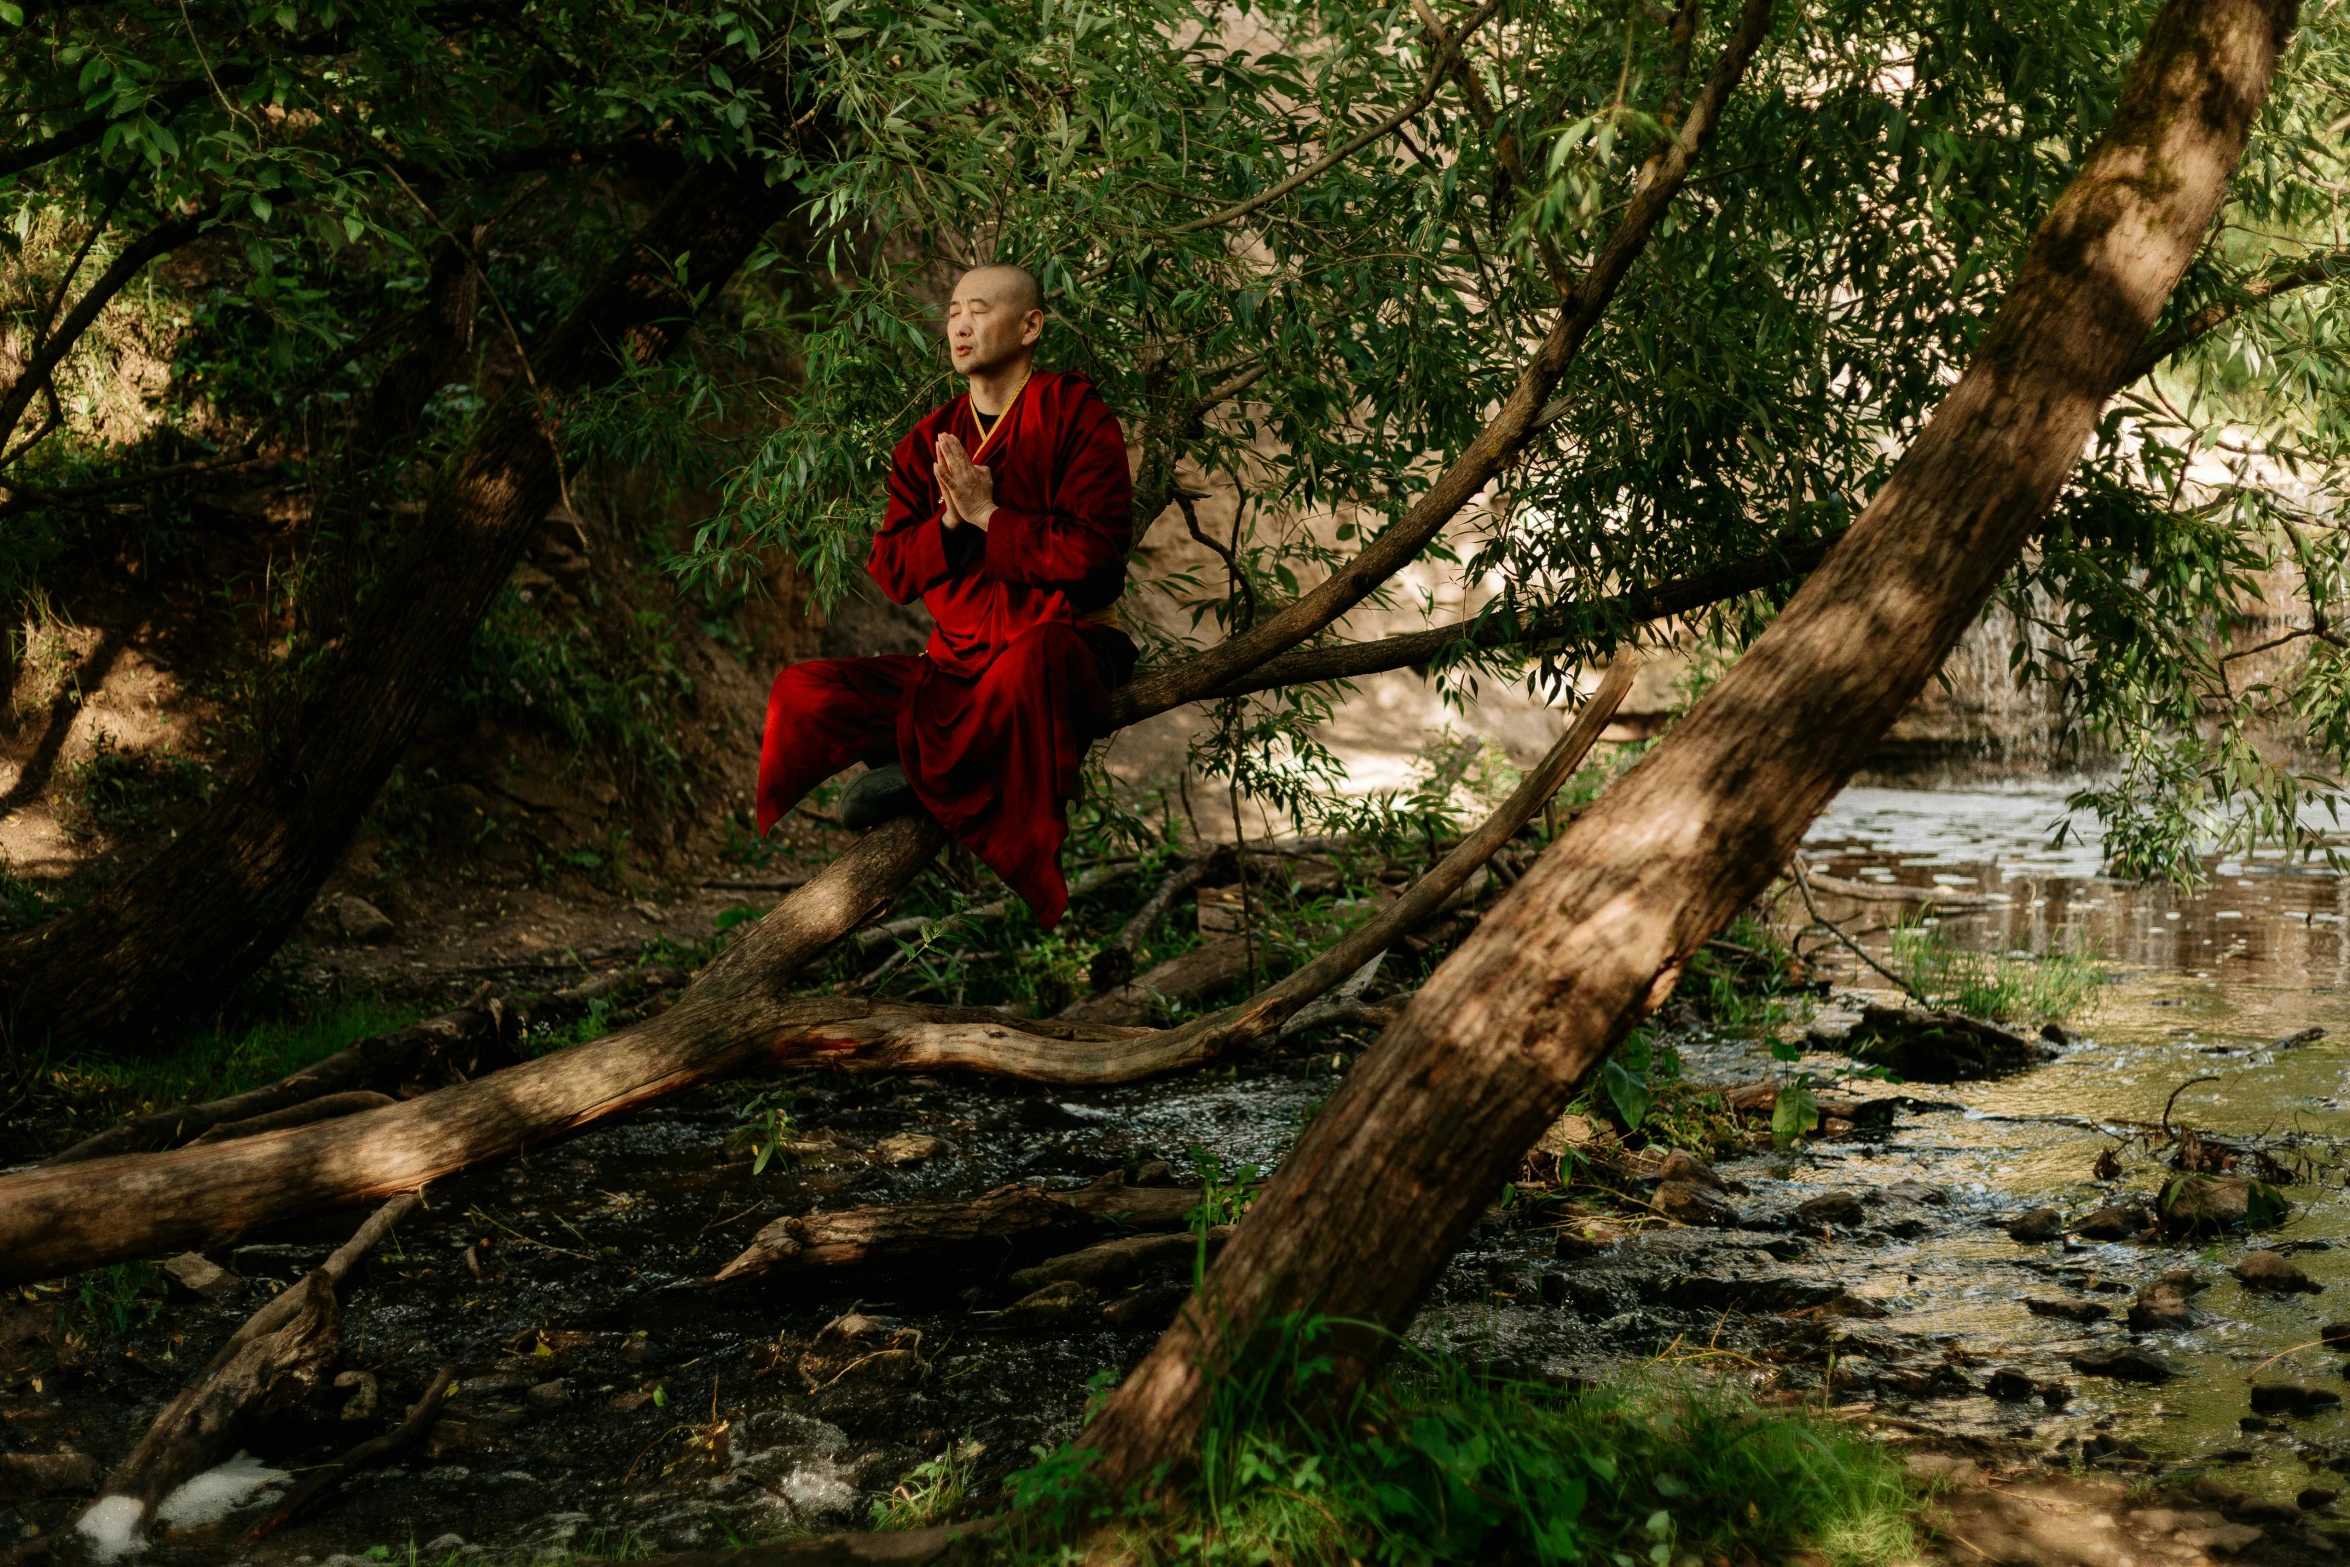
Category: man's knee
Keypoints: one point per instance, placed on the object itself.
(1043, 648)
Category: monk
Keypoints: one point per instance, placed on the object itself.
(1007, 517)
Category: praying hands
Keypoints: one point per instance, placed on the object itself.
(967, 488)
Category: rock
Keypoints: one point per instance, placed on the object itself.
(2010, 1386)
(2335, 1335)
(908, 1148)
(1687, 1204)
(548, 1395)
(2037, 1227)
(1055, 1303)
(441, 1545)
(1828, 1209)
(1938, 1047)
(2255, 1423)
(2054, 1033)
(2225, 1538)
(852, 1328)
(1857, 1307)
(2162, 1304)
(2294, 1041)
(1554, 1289)
(1918, 1191)
(1946, 1468)
(361, 920)
(2210, 1204)
(2104, 1446)
(2070, 1310)
(2119, 1222)
(2311, 1500)
(1681, 1165)
(27, 1476)
(2263, 1269)
(2123, 1363)
(2291, 1398)
(2265, 1513)
(201, 1278)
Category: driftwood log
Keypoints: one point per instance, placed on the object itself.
(1009, 1224)
(281, 1356)
(738, 1016)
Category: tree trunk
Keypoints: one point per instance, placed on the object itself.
(1364, 1214)
(170, 941)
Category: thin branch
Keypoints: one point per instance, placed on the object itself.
(160, 240)
(1495, 447)
(1438, 70)
(1564, 624)
(2324, 268)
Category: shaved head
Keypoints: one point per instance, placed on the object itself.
(1012, 287)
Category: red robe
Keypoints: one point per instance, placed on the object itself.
(993, 719)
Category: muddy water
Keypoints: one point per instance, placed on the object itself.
(611, 1399)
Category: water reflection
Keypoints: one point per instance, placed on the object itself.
(2203, 985)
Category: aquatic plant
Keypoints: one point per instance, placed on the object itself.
(1999, 987)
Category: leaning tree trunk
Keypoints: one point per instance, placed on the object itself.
(1364, 1214)
(172, 940)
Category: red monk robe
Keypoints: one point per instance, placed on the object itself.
(992, 720)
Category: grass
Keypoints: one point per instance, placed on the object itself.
(1439, 1464)
(1998, 987)
(95, 1091)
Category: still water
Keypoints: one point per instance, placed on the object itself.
(2201, 985)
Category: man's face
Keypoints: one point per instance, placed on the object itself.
(986, 328)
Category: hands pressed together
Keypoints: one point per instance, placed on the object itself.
(967, 489)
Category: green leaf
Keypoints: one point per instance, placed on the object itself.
(12, 14)
(1796, 1114)
(1629, 1092)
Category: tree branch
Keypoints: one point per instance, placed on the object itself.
(1497, 446)
(1438, 70)
(165, 237)
(2202, 323)
(1781, 563)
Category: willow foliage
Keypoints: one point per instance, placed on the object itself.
(1323, 348)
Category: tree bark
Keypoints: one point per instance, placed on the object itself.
(57, 1219)
(171, 940)
(1363, 1215)
(1009, 1224)
(279, 1357)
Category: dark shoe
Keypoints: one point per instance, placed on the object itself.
(881, 795)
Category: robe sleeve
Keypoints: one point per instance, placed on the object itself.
(1087, 532)
(910, 553)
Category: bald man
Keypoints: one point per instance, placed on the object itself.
(1007, 517)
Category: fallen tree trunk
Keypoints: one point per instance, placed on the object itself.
(1364, 1214)
(1009, 1224)
(278, 1358)
(59, 1219)
(56, 1220)
(459, 1044)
